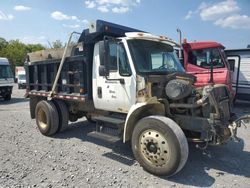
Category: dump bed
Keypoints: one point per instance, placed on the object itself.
(72, 83)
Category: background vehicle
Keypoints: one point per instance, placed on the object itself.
(6, 79)
(133, 85)
(239, 60)
(20, 77)
(18, 69)
(200, 58)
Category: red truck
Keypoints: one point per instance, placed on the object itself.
(208, 62)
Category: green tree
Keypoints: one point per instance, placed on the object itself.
(57, 44)
(34, 47)
(3, 43)
(16, 51)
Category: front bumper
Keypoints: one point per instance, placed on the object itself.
(216, 124)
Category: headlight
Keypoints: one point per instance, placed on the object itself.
(178, 89)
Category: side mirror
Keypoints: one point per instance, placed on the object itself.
(103, 71)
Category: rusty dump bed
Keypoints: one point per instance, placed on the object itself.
(73, 83)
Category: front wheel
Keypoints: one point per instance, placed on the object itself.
(159, 145)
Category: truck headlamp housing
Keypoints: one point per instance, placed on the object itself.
(178, 89)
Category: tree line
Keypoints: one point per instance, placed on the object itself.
(15, 51)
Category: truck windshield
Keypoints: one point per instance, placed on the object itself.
(5, 72)
(204, 57)
(154, 57)
(22, 77)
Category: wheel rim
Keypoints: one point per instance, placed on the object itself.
(154, 148)
(42, 119)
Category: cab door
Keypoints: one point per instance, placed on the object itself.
(115, 92)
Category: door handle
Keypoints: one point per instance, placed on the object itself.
(121, 80)
(99, 92)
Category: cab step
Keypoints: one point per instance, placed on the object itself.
(111, 122)
(108, 128)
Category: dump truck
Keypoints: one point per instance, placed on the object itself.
(132, 85)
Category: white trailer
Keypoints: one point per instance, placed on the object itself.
(239, 60)
(6, 79)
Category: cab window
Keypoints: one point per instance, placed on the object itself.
(113, 56)
(124, 68)
(118, 59)
(203, 58)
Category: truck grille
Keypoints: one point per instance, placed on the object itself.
(221, 102)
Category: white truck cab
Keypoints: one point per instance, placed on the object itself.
(129, 57)
(6, 79)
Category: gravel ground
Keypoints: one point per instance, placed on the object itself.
(73, 159)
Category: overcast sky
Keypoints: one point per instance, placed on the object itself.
(40, 21)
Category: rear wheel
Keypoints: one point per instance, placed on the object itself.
(63, 115)
(47, 117)
(159, 145)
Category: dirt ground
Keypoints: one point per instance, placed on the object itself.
(74, 159)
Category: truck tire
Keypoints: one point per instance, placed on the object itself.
(7, 97)
(159, 145)
(47, 117)
(63, 115)
(19, 86)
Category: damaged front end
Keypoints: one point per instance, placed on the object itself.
(204, 114)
